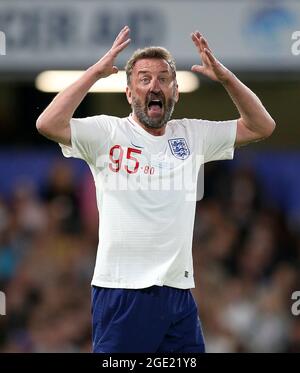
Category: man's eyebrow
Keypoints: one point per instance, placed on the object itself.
(149, 72)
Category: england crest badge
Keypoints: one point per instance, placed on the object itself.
(179, 148)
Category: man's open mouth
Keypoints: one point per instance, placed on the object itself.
(155, 103)
(155, 106)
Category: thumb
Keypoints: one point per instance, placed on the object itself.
(115, 69)
(197, 68)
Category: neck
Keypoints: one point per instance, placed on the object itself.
(153, 131)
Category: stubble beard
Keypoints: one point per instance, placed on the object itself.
(141, 111)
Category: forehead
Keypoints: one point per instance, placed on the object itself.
(152, 65)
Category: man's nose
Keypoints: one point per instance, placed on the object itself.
(155, 86)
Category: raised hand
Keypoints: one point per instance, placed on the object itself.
(105, 65)
(211, 67)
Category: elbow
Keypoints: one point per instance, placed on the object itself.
(40, 126)
(266, 130)
(43, 127)
(270, 127)
(49, 129)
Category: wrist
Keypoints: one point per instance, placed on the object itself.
(227, 79)
(95, 72)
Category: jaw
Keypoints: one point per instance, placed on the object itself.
(151, 114)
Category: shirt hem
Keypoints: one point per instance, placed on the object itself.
(122, 285)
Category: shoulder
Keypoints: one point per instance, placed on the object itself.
(103, 118)
(108, 122)
(188, 124)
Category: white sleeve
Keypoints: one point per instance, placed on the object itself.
(219, 139)
(88, 138)
(216, 138)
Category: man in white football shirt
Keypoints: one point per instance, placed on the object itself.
(144, 168)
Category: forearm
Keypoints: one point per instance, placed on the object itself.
(54, 122)
(56, 117)
(255, 116)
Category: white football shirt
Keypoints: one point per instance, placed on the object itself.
(146, 194)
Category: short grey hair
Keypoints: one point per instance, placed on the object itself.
(150, 52)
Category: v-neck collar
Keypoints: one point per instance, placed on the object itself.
(144, 133)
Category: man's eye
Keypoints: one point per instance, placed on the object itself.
(145, 80)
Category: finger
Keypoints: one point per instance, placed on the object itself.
(122, 36)
(198, 69)
(195, 37)
(210, 56)
(116, 50)
(197, 42)
(197, 33)
(121, 32)
(204, 43)
(115, 70)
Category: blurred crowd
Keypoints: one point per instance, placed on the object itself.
(246, 261)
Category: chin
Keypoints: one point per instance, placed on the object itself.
(152, 124)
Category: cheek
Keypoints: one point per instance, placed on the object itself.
(168, 91)
(139, 95)
(173, 95)
(140, 92)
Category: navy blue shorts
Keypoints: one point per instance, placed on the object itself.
(155, 319)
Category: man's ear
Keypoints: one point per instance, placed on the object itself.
(128, 95)
(176, 93)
